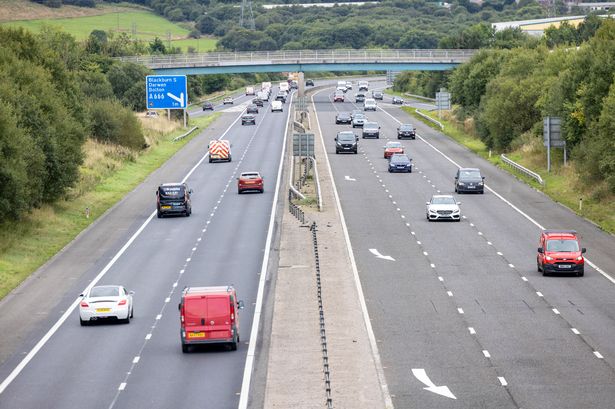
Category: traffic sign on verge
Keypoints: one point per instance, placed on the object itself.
(303, 144)
(166, 91)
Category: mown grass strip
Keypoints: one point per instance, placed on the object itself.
(29, 243)
(561, 184)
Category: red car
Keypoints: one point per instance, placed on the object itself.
(391, 148)
(338, 96)
(209, 315)
(559, 252)
(249, 181)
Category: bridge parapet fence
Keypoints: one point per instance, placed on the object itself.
(302, 57)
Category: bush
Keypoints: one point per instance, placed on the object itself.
(111, 122)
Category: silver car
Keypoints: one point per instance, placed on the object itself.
(443, 207)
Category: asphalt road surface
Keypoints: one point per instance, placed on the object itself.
(140, 365)
(462, 317)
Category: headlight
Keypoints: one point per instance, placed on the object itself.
(461, 184)
(548, 258)
(338, 143)
(456, 211)
(579, 258)
(480, 183)
(432, 211)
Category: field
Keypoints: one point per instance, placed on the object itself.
(138, 23)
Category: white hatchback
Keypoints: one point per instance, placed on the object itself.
(276, 106)
(106, 302)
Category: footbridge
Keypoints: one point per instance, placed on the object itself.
(303, 61)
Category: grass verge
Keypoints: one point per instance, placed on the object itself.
(561, 185)
(108, 174)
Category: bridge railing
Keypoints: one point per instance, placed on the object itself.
(301, 57)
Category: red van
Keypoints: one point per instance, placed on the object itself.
(209, 315)
(559, 251)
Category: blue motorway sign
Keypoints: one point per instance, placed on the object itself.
(166, 91)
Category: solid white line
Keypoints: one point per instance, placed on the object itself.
(247, 371)
(502, 198)
(598, 354)
(503, 381)
(368, 325)
(575, 331)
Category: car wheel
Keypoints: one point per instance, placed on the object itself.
(377, 136)
(582, 272)
(458, 220)
(185, 348)
(355, 152)
(229, 158)
(132, 312)
(410, 171)
(159, 214)
(538, 267)
(544, 272)
(239, 191)
(482, 192)
(262, 190)
(210, 160)
(337, 152)
(82, 322)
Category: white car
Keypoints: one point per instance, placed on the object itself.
(349, 84)
(369, 104)
(342, 88)
(276, 106)
(106, 302)
(227, 100)
(443, 207)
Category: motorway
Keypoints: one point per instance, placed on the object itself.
(141, 365)
(462, 317)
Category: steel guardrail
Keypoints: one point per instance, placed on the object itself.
(318, 192)
(216, 59)
(522, 169)
(321, 318)
(293, 208)
(182, 136)
(430, 119)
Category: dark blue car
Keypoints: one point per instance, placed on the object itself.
(400, 162)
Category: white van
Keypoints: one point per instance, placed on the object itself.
(249, 90)
(369, 104)
(284, 86)
(276, 106)
(363, 85)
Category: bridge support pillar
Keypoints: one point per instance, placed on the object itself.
(301, 81)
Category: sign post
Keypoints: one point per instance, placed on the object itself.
(443, 101)
(167, 92)
(552, 134)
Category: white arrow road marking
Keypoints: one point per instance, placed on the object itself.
(349, 178)
(179, 99)
(421, 375)
(377, 254)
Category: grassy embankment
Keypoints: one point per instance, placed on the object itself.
(138, 23)
(562, 184)
(108, 173)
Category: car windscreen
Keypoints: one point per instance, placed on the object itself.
(359, 116)
(371, 126)
(104, 292)
(171, 192)
(346, 137)
(442, 200)
(250, 175)
(562, 245)
(343, 115)
(406, 128)
(469, 174)
(393, 145)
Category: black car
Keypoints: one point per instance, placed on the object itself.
(346, 141)
(309, 83)
(397, 100)
(406, 131)
(371, 130)
(400, 162)
(469, 180)
(208, 106)
(258, 102)
(281, 96)
(359, 97)
(173, 198)
(252, 109)
(378, 95)
(248, 119)
(343, 118)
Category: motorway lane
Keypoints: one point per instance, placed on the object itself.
(515, 323)
(94, 361)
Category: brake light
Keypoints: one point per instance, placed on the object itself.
(84, 304)
(122, 302)
(232, 312)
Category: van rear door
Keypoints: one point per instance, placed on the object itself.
(218, 319)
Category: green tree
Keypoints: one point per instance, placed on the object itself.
(113, 123)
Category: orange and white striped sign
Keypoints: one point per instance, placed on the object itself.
(220, 150)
